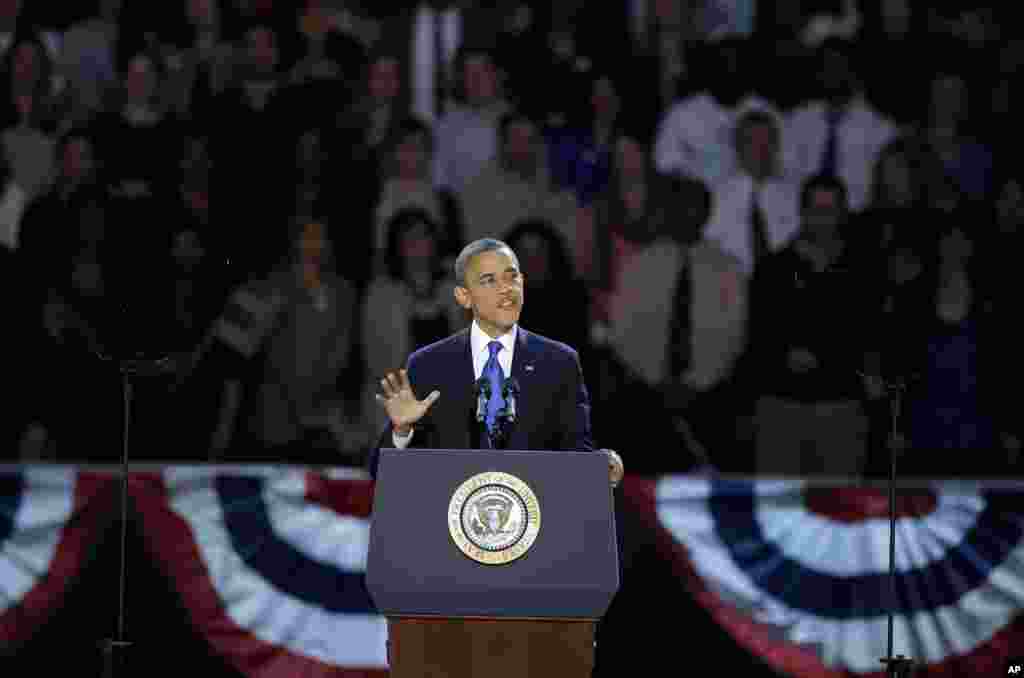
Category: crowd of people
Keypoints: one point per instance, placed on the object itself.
(779, 234)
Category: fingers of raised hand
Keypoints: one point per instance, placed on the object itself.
(385, 386)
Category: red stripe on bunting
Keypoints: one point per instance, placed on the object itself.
(987, 659)
(171, 540)
(92, 503)
(344, 496)
(859, 504)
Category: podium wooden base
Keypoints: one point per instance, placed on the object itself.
(424, 647)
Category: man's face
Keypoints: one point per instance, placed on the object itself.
(384, 81)
(411, 156)
(631, 161)
(78, 158)
(493, 291)
(603, 99)
(25, 65)
(759, 145)
(140, 80)
(262, 50)
(822, 213)
(519, 144)
(481, 80)
(201, 12)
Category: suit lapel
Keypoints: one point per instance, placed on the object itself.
(463, 379)
(524, 371)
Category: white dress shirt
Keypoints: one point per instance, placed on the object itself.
(478, 341)
(695, 137)
(862, 134)
(729, 224)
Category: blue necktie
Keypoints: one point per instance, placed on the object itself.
(830, 156)
(496, 378)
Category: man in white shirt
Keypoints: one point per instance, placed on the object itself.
(756, 210)
(467, 136)
(839, 134)
(694, 138)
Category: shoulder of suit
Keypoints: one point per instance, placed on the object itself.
(548, 345)
(438, 348)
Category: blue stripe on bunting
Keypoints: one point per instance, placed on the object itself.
(12, 489)
(996, 532)
(278, 562)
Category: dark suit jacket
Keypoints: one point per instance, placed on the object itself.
(553, 407)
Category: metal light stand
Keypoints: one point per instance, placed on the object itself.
(898, 666)
(115, 650)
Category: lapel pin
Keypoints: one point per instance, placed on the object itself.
(529, 368)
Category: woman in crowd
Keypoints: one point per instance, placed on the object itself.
(407, 306)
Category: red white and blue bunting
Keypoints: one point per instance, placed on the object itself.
(49, 518)
(270, 563)
(799, 574)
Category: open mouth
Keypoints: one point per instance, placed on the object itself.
(507, 305)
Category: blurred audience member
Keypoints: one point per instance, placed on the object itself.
(408, 306)
(948, 338)
(295, 330)
(895, 49)
(707, 337)
(249, 194)
(755, 211)
(408, 162)
(29, 117)
(695, 136)
(356, 150)
(898, 197)
(86, 60)
(999, 253)
(954, 152)
(427, 37)
(558, 299)
(515, 186)
(329, 57)
(199, 59)
(139, 121)
(77, 324)
(467, 135)
(841, 133)
(633, 212)
(809, 308)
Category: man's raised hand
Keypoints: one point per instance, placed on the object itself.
(400, 402)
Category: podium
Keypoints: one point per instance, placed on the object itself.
(492, 562)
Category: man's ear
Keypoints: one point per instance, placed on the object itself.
(462, 297)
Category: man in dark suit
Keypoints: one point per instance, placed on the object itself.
(552, 406)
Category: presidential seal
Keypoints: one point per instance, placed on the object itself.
(494, 518)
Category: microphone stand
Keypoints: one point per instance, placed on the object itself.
(115, 650)
(898, 666)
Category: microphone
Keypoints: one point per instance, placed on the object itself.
(509, 391)
(482, 390)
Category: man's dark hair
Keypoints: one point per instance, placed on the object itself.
(479, 247)
(824, 182)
